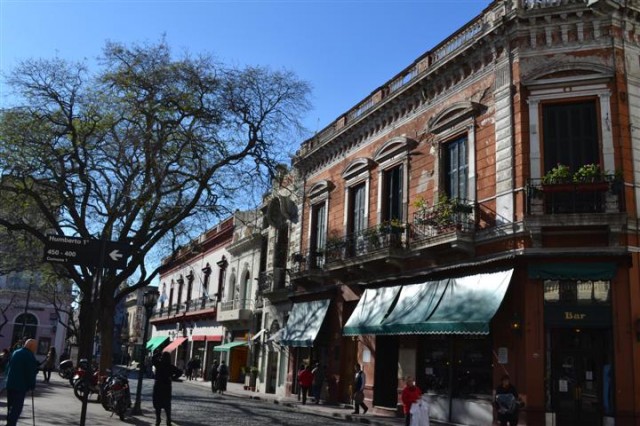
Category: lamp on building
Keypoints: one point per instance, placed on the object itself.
(149, 301)
(516, 324)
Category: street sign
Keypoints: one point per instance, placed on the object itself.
(86, 251)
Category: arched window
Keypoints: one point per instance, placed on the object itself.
(25, 326)
(247, 286)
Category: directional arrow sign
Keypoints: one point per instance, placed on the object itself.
(115, 255)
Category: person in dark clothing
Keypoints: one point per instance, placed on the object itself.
(21, 378)
(358, 391)
(223, 376)
(49, 364)
(214, 376)
(305, 379)
(318, 381)
(190, 369)
(507, 402)
(165, 371)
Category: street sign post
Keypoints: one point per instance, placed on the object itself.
(86, 251)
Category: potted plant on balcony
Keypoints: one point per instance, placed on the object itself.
(558, 179)
(590, 178)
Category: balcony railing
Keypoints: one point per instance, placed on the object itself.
(196, 304)
(233, 305)
(599, 196)
(308, 261)
(272, 280)
(444, 217)
(367, 241)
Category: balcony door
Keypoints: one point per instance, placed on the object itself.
(570, 134)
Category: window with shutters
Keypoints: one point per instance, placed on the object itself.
(456, 168)
(357, 220)
(392, 204)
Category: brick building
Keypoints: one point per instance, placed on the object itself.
(477, 215)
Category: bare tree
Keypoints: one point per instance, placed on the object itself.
(137, 149)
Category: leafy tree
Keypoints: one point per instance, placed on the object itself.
(136, 152)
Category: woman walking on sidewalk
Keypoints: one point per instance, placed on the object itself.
(49, 363)
(165, 371)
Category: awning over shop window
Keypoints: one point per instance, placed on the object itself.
(155, 342)
(452, 306)
(305, 320)
(573, 271)
(174, 345)
(228, 346)
(372, 309)
(416, 305)
(468, 304)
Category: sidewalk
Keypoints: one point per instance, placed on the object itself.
(332, 411)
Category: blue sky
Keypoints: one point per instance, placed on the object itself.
(345, 49)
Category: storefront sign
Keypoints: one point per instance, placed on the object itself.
(577, 316)
(503, 355)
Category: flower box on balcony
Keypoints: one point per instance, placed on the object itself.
(600, 186)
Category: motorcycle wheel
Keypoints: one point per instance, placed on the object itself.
(62, 373)
(79, 389)
(105, 402)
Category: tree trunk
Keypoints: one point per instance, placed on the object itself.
(86, 327)
(106, 327)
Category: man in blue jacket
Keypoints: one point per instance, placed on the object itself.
(21, 378)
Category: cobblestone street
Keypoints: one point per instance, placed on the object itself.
(193, 404)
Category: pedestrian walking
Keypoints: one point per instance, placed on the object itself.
(298, 387)
(214, 376)
(49, 364)
(165, 371)
(318, 381)
(358, 391)
(507, 402)
(21, 378)
(305, 379)
(196, 367)
(190, 369)
(223, 376)
(410, 394)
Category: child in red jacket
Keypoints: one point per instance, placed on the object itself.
(410, 394)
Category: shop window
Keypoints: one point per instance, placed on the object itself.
(464, 360)
(456, 168)
(577, 292)
(472, 368)
(392, 194)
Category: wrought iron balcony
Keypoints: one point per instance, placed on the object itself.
(443, 218)
(603, 195)
(376, 239)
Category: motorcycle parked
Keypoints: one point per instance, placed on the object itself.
(89, 381)
(116, 394)
(83, 366)
(66, 370)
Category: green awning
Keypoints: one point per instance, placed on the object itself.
(228, 346)
(468, 305)
(573, 271)
(303, 325)
(372, 309)
(450, 306)
(155, 342)
(416, 304)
